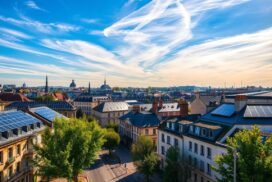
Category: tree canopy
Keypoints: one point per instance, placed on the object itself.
(254, 157)
(68, 148)
(113, 126)
(112, 140)
(173, 169)
(144, 156)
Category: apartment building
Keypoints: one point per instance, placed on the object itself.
(18, 131)
(201, 141)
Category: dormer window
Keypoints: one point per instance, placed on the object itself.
(192, 129)
(204, 132)
(173, 126)
(197, 130)
(180, 128)
(210, 133)
(168, 125)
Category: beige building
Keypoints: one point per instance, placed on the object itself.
(109, 112)
(203, 103)
(87, 103)
(18, 131)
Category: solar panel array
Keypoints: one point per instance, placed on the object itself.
(15, 119)
(47, 113)
(258, 112)
(226, 110)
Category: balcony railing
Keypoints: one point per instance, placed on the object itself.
(10, 160)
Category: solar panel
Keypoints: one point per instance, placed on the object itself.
(15, 119)
(258, 112)
(47, 113)
(224, 110)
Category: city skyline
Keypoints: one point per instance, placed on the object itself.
(136, 42)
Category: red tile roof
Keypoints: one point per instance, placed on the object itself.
(60, 96)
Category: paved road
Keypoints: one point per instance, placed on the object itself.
(99, 172)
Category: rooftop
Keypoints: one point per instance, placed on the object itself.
(111, 107)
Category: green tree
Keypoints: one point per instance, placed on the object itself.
(173, 169)
(112, 140)
(144, 156)
(254, 157)
(45, 98)
(113, 126)
(67, 149)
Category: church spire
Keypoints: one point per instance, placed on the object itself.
(105, 81)
(46, 84)
(89, 90)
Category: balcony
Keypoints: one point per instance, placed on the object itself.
(10, 160)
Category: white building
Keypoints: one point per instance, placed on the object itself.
(200, 142)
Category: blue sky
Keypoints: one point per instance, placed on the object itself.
(136, 42)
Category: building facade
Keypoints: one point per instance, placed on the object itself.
(109, 112)
(201, 141)
(86, 103)
(19, 131)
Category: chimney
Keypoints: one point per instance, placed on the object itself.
(155, 106)
(197, 95)
(240, 102)
(183, 105)
(136, 108)
(160, 103)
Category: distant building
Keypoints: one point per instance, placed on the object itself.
(46, 89)
(65, 108)
(19, 131)
(73, 84)
(87, 102)
(110, 112)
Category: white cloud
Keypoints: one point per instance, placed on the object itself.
(89, 20)
(15, 33)
(33, 5)
(49, 28)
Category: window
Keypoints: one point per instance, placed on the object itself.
(209, 153)
(204, 132)
(180, 128)
(173, 126)
(176, 142)
(202, 166)
(195, 162)
(190, 160)
(1, 157)
(18, 149)
(162, 150)
(162, 138)
(196, 148)
(154, 131)
(146, 131)
(208, 169)
(10, 153)
(197, 130)
(210, 133)
(168, 125)
(195, 178)
(10, 171)
(18, 167)
(168, 140)
(202, 150)
(192, 129)
(202, 179)
(190, 145)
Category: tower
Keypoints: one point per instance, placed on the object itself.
(46, 85)
(89, 89)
